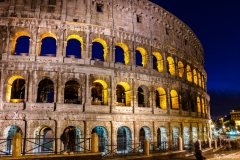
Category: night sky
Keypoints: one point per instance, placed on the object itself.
(217, 25)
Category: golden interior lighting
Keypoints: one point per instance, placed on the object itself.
(15, 37)
(198, 105)
(144, 55)
(126, 52)
(171, 66)
(44, 36)
(180, 69)
(105, 91)
(159, 61)
(189, 73)
(105, 48)
(9, 87)
(195, 76)
(199, 80)
(203, 106)
(162, 97)
(174, 99)
(77, 37)
(127, 92)
(203, 82)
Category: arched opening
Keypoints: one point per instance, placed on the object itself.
(180, 69)
(102, 138)
(157, 61)
(138, 58)
(154, 62)
(140, 97)
(192, 102)
(144, 133)
(199, 80)
(141, 57)
(73, 49)
(162, 138)
(186, 136)
(123, 94)
(203, 82)
(15, 91)
(175, 135)
(189, 73)
(199, 105)
(8, 134)
(48, 47)
(99, 49)
(45, 91)
(194, 133)
(161, 98)
(72, 92)
(20, 43)
(99, 93)
(119, 55)
(124, 139)
(171, 66)
(44, 140)
(185, 100)
(174, 99)
(195, 79)
(203, 106)
(78, 138)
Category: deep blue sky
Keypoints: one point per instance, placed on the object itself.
(217, 25)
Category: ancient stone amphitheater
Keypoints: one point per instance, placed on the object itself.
(124, 69)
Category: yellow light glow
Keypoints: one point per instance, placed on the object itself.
(17, 100)
(162, 97)
(203, 82)
(203, 106)
(127, 92)
(180, 69)
(171, 65)
(15, 37)
(159, 61)
(199, 80)
(189, 73)
(9, 86)
(144, 55)
(198, 105)
(105, 91)
(174, 99)
(126, 52)
(77, 37)
(195, 76)
(105, 48)
(44, 36)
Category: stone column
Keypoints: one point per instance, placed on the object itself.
(133, 95)
(59, 88)
(168, 100)
(30, 86)
(209, 142)
(112, 99)
(64, 48)
(180, 144)
(87, 93)
(94, 143)
(169, 134)
(146, 147)
(64, 10)
(191, 134)
(17, 145)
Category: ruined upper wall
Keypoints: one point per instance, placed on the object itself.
(140, 17)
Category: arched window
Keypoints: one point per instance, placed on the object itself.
(20, 43)
(186, 134)
(48, 45)
(140, 97)
(162, 138)
(72, 92)
(195, 76)
(102, 138)
(15, 91)
(141, 57)
(171, 66)
(174, 99)
(157, 61)
(189, 73)
(175, 135)
(122, 53)
(99, 49)
(180, 69)
(161, 98)
(8, 134)
(203, 106)
(124, 139)
(198, 105)
(199, 80)
(45, 91)
(144, 133)
(123, 94)
(74, 46)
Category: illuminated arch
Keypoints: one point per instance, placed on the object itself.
(126, 87)
(174, 99)
(126, 52)
(77, 37)
(199, 80)
(195, 76)
(105, 90)
(203, 82)
(15, 37)
(162, 97)
(159, 61)
(180, 69)
(9, 86)
(198, 105)
(105, 48)
(144, 55)
(189, 73)
(171, 66)
(203, 106)
(44, 36)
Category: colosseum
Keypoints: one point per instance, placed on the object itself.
(127, 70)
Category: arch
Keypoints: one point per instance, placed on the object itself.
(159, 62)
(102, 138)
(186, 136)
(124, 139)
(175, 135)
(143, 54)
(123, 94)
(143, 96)
(189, 73)
(80, 40)
(99, 92)
(162, 138)
(125, 52)
(195, 79)
(180, 69)
(171, 66)
(15, 37)
(199, 80)
(105, 47)
(44, 139)
(8, 134)
(78, 140)
(198, 104)
(161, 98)
(10, 86)
(203, 82)
(194, 133)
(144, 133)
(203, 106)
(72, 92)
(45, 91)
(45, 35)
(174, 99)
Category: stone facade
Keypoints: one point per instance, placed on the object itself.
(174, 101)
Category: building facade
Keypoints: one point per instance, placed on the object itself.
(126, 69)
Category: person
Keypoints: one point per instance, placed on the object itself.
(65, 140)
(94, 93)
(72, 138)
(199, 155)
